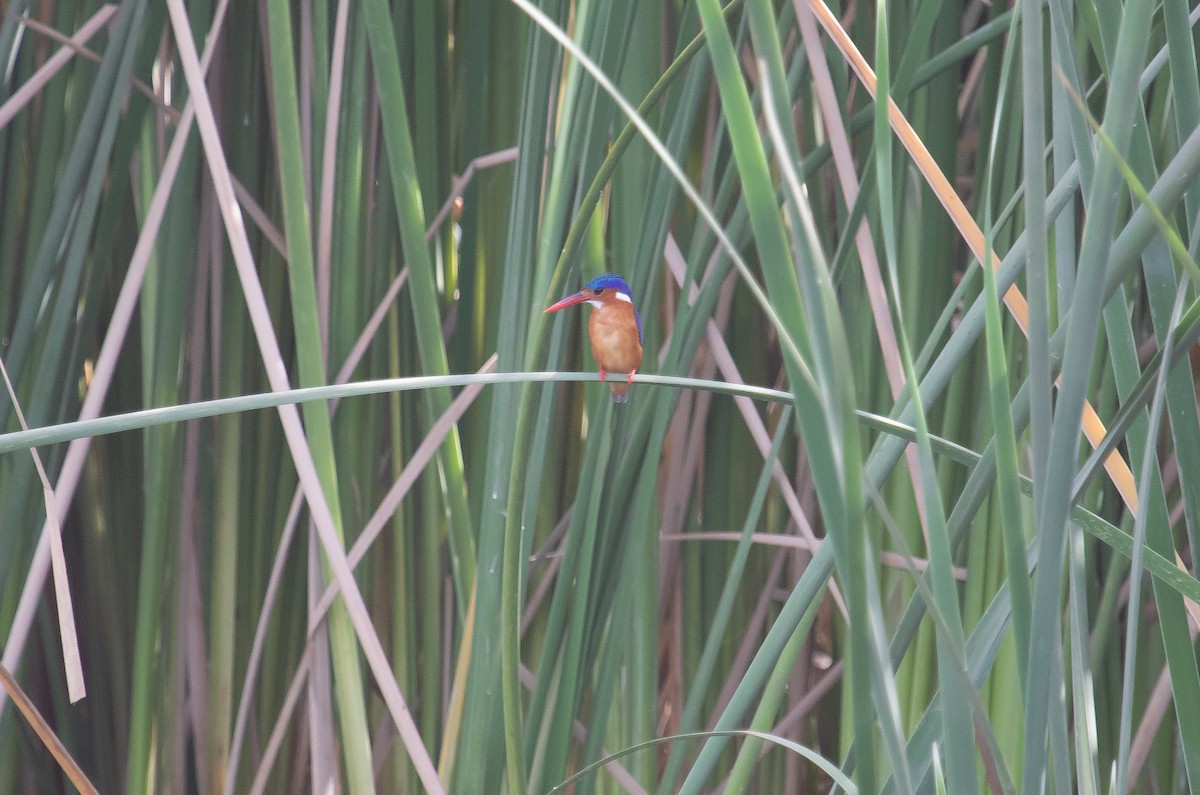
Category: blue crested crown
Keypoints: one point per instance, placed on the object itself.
(613, 281)
(609, 280)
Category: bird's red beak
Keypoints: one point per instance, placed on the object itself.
(570, 300)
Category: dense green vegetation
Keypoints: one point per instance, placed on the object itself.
(875, 518)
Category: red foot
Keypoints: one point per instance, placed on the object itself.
(602, 375)
(629, 380)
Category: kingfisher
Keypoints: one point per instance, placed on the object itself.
(615, 328)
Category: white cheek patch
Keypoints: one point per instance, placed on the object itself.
(595, 303)
(623, 297)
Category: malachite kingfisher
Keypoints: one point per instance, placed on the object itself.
(615, 328)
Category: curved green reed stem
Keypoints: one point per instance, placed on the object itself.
(136, 420)
(828, 767)
(146, 418)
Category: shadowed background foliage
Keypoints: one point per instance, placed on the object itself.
(947, 548)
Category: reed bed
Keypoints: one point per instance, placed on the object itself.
(301, 491)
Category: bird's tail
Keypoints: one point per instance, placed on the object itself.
(620, 391)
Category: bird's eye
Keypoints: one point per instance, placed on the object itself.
(596, 291)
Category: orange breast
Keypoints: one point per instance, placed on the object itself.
(614, 335)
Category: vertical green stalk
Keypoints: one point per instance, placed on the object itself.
(1033, 141)
(1011, 517)
(823, 407)
(512, 579)
(227, 527)
(1077, 357)
(398, 144)
(351, 704)
(510, 297)
(957, 731)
